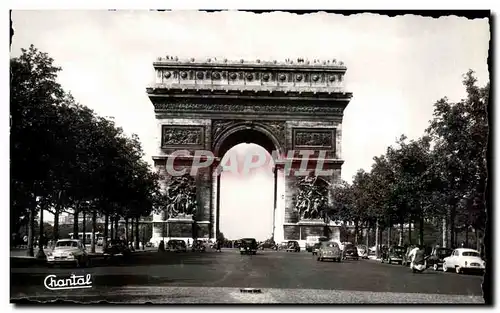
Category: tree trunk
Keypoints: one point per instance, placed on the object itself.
(401, 232)
(84, 216)
(367, 238)
(55, 234)
(106, 226)
(409, 231)
(445, 233)
(377, 237)
(137, 233)
(421, 231)
(356, 231)
(126, 230)
(31, 230)
(112, 226)
(116, 227)
(94, 226)
(467, 236)
(75, 221)
(389, 233)
(452, 227)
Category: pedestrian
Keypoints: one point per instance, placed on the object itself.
(218, 246)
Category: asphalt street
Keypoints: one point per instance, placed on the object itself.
(151, 276)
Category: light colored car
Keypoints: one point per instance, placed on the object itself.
(329, 251)
(68, 251)
(362, 251)
(464, 259)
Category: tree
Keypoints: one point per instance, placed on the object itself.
(460, 135)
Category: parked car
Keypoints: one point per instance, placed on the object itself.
(435, 259)
(198, 246)
(149, 244)
(362, 251)
(293, 246)
(464, 259)
(176, 245)
(116, 247)
(248, 246)
(394, 254)
(100, 241)
(68, 251)
(329, 251)
(315, 248)
(350, 252)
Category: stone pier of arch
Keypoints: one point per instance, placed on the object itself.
(214, 106)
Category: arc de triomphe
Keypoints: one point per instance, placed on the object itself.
(217, 104)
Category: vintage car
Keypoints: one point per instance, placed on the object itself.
(198, 246)
(176, 245)
(329, 251)
(394, 254)
(248, 246)
(116, 247)
(315, 248)
(68, 251)
(350, 252)
(435, 259)
(464, 259)
(293, 246)
(362, 251)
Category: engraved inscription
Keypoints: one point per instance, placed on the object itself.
(314, 138)
(180, 135)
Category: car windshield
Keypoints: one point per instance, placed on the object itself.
(67, 244)
(470, 253)
(443, 252)
(330, 245)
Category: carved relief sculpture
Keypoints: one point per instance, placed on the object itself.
(314, 138)
(181, 196)
(311, 199)
(178, 135)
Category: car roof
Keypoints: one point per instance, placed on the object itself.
(466, 250)
(64, 240)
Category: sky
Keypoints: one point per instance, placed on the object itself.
(398, 67)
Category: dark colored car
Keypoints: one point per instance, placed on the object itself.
(350, 252)
(116, 247)
(394, 254)
(267, 245)
(315, 248)
(198, 246)
(435, 259)
(293, 246)
(248, 246)
(177, 245)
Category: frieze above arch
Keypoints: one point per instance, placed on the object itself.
(192, 107)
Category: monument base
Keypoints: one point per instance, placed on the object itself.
(183, 227)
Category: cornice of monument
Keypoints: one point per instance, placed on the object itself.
(299, 78)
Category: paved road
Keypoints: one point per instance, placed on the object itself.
(154, 275)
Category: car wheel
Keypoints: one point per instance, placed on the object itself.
(339, 260)
(435, 267)
(445, 267)
(458, 270)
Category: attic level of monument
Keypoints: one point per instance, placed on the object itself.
(305, 80)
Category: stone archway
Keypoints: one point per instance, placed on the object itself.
(234, 132)
(214, 105)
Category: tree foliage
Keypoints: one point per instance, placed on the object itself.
(65, 155)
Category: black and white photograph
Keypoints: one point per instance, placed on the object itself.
(242, 157)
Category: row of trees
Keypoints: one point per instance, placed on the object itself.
(438, 177)
(66, 158)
